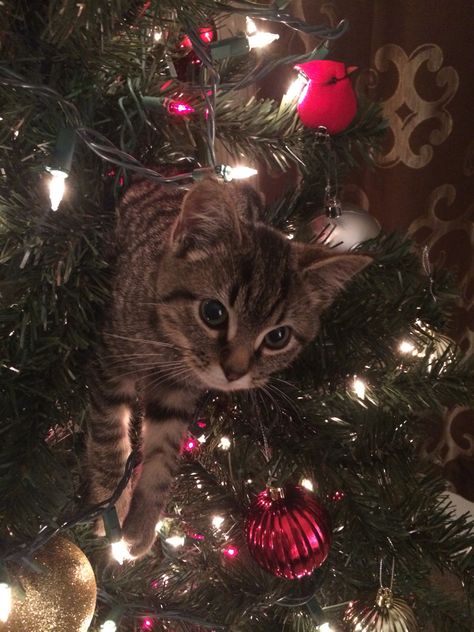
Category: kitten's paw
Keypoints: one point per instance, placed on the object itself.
(139, 533)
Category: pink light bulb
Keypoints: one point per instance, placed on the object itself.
(180, 108)
(230, 551)
(190, 445)
(147, 623)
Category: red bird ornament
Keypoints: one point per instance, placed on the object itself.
(328, 99)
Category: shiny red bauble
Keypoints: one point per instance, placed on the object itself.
(328, 99)
(288, 532)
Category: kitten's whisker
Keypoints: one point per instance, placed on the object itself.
(146, 341)
(169, 376)
(155, 366)
(291, 405)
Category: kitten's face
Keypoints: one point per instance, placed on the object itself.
(237, 297)
(241, 309)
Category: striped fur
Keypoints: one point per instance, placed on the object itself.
(173, 252)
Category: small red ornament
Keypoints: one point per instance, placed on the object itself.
(328, 99)
(288, 531)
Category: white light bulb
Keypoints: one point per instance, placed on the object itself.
(406, 347)
(325, 627)
(157, 35)
(57, 187)
(176, 541)
(359, 388)
(217, 522)
(108, 626)
(5, 601)
(120, 551)
(239, 172)
(259, 39)
(251, 26)
(159, 526)
(307, 484)
(224, 443)
(295, 89)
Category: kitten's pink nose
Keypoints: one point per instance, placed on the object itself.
(235, 362)
(233, 374)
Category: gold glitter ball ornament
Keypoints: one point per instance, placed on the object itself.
(59, 598)
(387, 614)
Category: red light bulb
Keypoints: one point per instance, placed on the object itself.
(147, 623)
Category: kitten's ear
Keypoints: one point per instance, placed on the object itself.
(327, 274)
(207, 211)
(250, 202)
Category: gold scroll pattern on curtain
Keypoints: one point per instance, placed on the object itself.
(407, 110)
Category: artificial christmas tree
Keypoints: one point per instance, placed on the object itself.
(105, 72)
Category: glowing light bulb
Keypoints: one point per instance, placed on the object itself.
(157, 35)
(325, 627)
(224, 443)
(57, 186)
(406, 347)
(230, 551)
(147, 623)
(159, 526)
(176, 541)
(251, 26)
(108, 626)
(295, 89)
(359, 388)
(307, 484)
(120, 551)
(180, 108)
(238, 173)
(217, 521)
(261, 39)
(5, 601)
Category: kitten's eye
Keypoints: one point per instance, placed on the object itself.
(213, 313)
(278, 338)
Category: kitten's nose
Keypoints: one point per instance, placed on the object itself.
(233, 374)
(235, 362)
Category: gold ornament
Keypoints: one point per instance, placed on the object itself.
(59, 598)
(387, 614)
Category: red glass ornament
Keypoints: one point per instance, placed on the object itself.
(328, 99)
(288, 532)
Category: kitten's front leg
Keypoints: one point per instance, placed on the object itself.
(108, 442)
(163, 433)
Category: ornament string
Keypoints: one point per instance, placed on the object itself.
(332, 204)
(392, 573)
(425, 258)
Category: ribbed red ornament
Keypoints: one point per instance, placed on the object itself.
(288, 532)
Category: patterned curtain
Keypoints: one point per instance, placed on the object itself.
(415, 58)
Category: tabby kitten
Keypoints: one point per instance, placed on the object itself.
(205, 296)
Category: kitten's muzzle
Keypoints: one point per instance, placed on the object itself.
(235, 362)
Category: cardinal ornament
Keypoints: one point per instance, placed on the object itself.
(288, 532)
(328, 99)
(387, 614)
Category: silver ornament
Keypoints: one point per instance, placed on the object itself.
(343, 227)
(387, 614)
